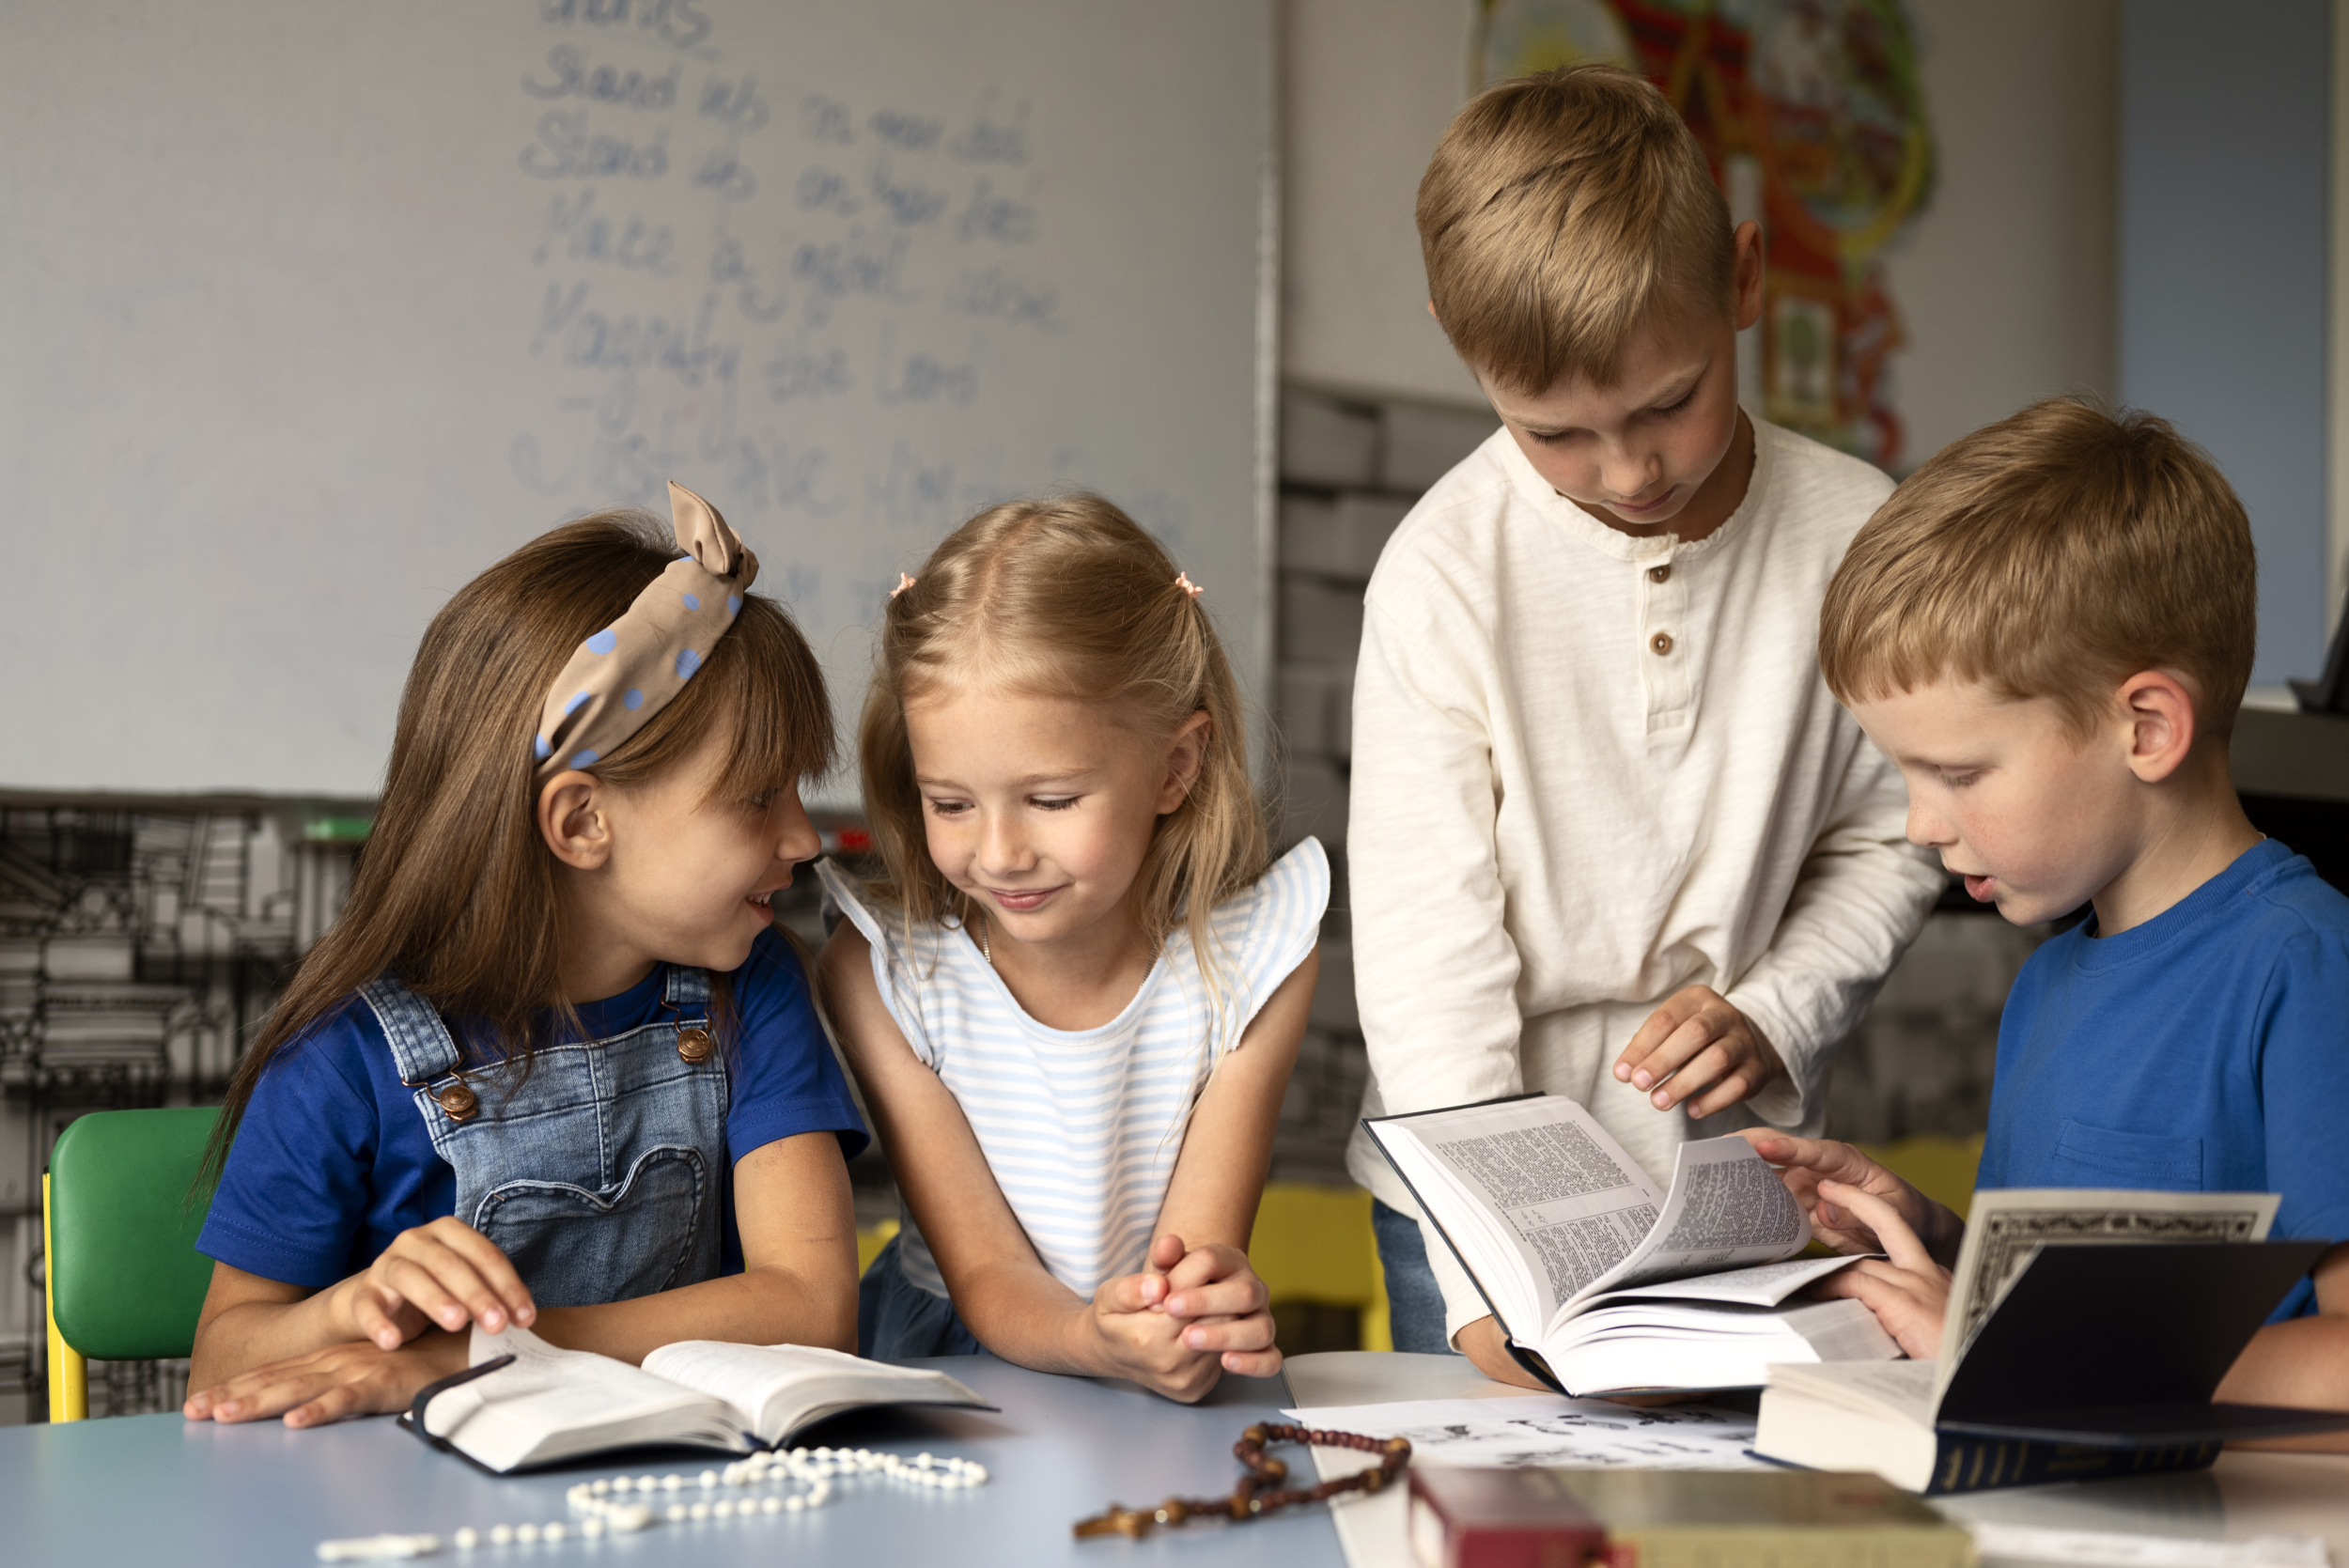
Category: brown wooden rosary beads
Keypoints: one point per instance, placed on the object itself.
(1248, 1499)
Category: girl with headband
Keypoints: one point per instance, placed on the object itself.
(1073, 999)
(553, 1066)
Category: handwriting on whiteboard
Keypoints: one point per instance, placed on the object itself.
(744, 278)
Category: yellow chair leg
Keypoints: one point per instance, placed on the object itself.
(68, 1374)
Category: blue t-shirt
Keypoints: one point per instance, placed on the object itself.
(332, 1159)
(2206, 1051)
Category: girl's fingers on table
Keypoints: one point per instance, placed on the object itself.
(1130, 1293)
(375, 1320)
(442, 1288)
(1251, 1332)
(1241, 1294)
(1252, 1363)
(466, 1266)
(1203, 1264)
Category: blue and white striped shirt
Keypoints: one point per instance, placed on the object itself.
(1081, 1128)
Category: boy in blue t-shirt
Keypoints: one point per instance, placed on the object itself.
(2048, 628)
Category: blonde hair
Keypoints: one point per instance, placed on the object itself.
(1562, 212)
(1066, 598)
(455, 892)
(2052, 554)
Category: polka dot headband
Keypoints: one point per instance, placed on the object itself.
(625, 674)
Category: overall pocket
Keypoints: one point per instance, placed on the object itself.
(576, 1248)
(2089, 1155)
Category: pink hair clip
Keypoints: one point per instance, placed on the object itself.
(1182, 581)
(903, 583)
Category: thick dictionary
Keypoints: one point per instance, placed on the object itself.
(1606, 1284)
(2096, 1358)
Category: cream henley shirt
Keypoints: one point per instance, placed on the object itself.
(1591, 768)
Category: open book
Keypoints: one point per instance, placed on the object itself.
(1606, 1285)
(553, 1405)
(2082, 1338)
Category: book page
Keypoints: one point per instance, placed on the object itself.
(763, 1382)
(2006, 1227)
(1761, 1285)
(1903, 1387)
(1727, 1208)
(1572, 1202)
(510, 1414)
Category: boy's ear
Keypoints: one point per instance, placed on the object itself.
(1745, 274)
(1185, 755)
(573, 822)
(2160, 715)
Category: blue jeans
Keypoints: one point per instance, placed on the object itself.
(1414, 1302)
(897, 1319)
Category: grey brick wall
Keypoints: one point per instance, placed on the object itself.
(1349, 470)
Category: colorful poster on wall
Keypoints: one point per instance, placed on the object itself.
(1814, 117)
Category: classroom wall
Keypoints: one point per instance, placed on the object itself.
(1367, 89)
(2224, 187)
(2004, 285)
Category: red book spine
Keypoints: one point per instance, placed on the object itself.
(1444, 1535)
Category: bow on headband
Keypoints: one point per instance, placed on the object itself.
(623, 675)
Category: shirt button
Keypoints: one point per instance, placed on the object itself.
(1660, 574)
(1662, 641)
(694, 1045)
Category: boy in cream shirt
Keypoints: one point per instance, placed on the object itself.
(1612, 837)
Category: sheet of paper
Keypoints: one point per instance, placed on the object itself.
(1549, 1428)
(2006, 1226)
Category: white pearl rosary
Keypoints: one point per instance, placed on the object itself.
(622, 1504)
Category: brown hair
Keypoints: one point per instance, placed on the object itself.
(1066, 598)
(2052, 554)
(456, 890)
(1562, 211)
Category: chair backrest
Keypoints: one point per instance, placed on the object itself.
(125, 1278)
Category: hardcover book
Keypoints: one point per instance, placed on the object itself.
(546, 1405)
(1569, 1519)
(1604, 1284)
(2082, 1349)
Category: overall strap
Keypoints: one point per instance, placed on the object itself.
(688, 989)
(421, 1045)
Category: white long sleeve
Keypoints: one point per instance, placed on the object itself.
(1590, 770)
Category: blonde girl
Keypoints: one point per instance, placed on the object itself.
(1075, 999)
(552, 1066)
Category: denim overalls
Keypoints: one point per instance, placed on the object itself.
(601, 1171)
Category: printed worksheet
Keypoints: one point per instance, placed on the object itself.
(1551, 1429)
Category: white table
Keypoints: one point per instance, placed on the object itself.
(2243, 1495)
(159, 1489)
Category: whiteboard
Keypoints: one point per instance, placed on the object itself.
(313, 310)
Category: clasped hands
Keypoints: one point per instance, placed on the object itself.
(380, 1323)
(1191, 1314)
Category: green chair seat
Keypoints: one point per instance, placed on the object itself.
(126, 1281)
